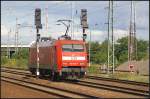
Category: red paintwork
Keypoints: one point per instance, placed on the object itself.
(47, 54)
(59, 44)
(76, 62)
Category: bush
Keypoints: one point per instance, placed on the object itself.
(93, 69)
(22, 53)
(4, 60)
(11, 62)
(21, 63)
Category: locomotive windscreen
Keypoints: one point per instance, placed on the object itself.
(73, 48)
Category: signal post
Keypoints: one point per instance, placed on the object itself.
(38, 26)
(84, 22)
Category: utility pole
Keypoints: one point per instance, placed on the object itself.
(46, 19)
(135, 40)
(8, 49)
(73, 6)
(112, 36)
(108, 39)
(38, 26)
(129, 38)
(132, 46)
(71, 17)
(16, 36)
(90, 50)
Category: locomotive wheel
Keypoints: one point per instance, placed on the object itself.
(55, 76)
(42, 72)
(33, 71)
(52, 76)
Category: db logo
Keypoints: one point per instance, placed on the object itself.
(73, 58)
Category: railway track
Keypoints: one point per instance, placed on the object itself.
(118, 80)
(97, 78)
(44, 88)
(92, 84)
(30, 86)
(114, 88)
(88, 77)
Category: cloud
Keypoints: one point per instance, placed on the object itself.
(119, 33)
(62, 10)
(100, 35)
(96, 35)
(4, 30)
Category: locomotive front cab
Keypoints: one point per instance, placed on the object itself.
(74, 59)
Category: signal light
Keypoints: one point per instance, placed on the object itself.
(38, 18)
(84, 36)
(84, 18)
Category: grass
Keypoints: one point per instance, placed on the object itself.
(94, 70)
(15, 63)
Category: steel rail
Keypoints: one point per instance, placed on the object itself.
(118, 80)
(100, 78)
(97, 85)
(87, 84)
(27, 85)
(28, 74)
(54, 88)
(117, 87)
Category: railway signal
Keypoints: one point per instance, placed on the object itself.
(84, 18)
(38, 18)
(84, 22)
(38, 26)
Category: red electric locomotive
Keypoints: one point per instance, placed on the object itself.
(63, 58)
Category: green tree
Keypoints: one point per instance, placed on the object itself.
(99, 51)
(95, 47)
(142, 49)
(22, 54)
(121, 49)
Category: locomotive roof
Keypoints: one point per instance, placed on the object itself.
(70, 41)
(43, 43)
(51, 42)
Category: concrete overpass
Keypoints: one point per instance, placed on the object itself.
(10, 49)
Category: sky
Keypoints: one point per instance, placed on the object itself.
(96, 14)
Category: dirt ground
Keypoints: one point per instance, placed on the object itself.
(9, 90)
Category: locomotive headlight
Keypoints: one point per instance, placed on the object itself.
(82, 63)
(64, 63)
